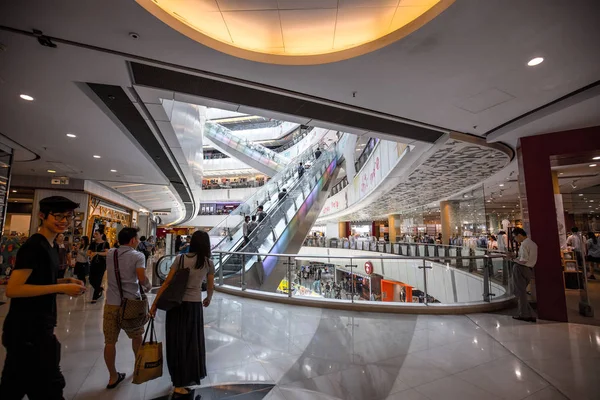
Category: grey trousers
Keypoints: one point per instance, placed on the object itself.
(521, 277)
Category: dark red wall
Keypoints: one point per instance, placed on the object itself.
(539, 212)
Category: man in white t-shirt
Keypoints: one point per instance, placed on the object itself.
(523, 273)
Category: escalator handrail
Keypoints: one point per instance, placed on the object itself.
(239, 211)
(268, 153)
(325, 160)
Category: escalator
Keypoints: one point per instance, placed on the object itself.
(285, 227)
(254, 155)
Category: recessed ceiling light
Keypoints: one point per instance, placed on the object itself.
(593, 165)
(596, 158)
(14, 191)
(97, 156)
(501, 185)
(113, 170)
(52, 171)
(535, 61)
(562, 173)
(26, 97)
(71, 135)
(580, 194)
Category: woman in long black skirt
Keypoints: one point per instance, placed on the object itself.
(186, 352)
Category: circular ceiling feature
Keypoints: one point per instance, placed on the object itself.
(295, 32)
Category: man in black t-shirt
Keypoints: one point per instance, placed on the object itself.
(32, 365)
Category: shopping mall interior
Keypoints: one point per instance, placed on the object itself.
(388, 153)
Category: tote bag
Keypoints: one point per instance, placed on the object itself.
(149, 358)
(173, 294)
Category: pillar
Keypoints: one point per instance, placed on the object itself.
(343, 229)
(451, 223)
(394, 226)
(560, 213)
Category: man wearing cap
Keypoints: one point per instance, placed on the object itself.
(32, 365)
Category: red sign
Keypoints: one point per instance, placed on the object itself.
(368, 268)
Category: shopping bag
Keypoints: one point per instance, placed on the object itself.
(149, 358)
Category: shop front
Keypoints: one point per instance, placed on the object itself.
(108, 217)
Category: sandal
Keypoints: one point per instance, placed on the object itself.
(120, 378)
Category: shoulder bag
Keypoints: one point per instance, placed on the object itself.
(134, 312)
(173, 294)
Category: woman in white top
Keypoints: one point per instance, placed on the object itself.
(186, 351)
(82, 262)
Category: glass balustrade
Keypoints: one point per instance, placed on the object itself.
(384, 277)
(228, 234)
(257, 152)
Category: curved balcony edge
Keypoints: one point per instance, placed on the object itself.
(378, 307)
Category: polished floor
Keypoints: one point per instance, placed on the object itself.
(306, 353)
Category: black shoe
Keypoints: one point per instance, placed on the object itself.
(592, 277)
(526, 319)
(120, 378)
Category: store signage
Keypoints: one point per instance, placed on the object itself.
(368, 267)
(59, 181)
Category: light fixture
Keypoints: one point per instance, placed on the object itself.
(562, 173)
(71, 135)
(52, 171)
(26, 97)
(593, 165)
(501, 185)
(535, 61)
(97, 156)
(113, 170)
(315, 41)
(580, 194)
(14, 191)
(596, 158)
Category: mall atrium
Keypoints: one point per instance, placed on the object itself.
(397, 199)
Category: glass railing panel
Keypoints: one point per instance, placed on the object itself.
(267, 196)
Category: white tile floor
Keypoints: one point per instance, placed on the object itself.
(324, 354)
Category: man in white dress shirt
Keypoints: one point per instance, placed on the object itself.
(523, 273)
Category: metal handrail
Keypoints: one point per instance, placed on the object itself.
(432, 259)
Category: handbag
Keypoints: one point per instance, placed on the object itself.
(149, 358)
(173, 294)
(134, 312)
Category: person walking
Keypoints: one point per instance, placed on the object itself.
(523, 273)
(144, 247)
(97, 252)
(186, 350)
(32, 364)
(64, 255)
(593, 253)
(131, 267)
(82, 261)
(574, 241)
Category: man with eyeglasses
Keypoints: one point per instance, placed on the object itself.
(32, 365)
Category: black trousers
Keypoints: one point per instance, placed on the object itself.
(32, 367)
(82, 271)
(96, 275)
